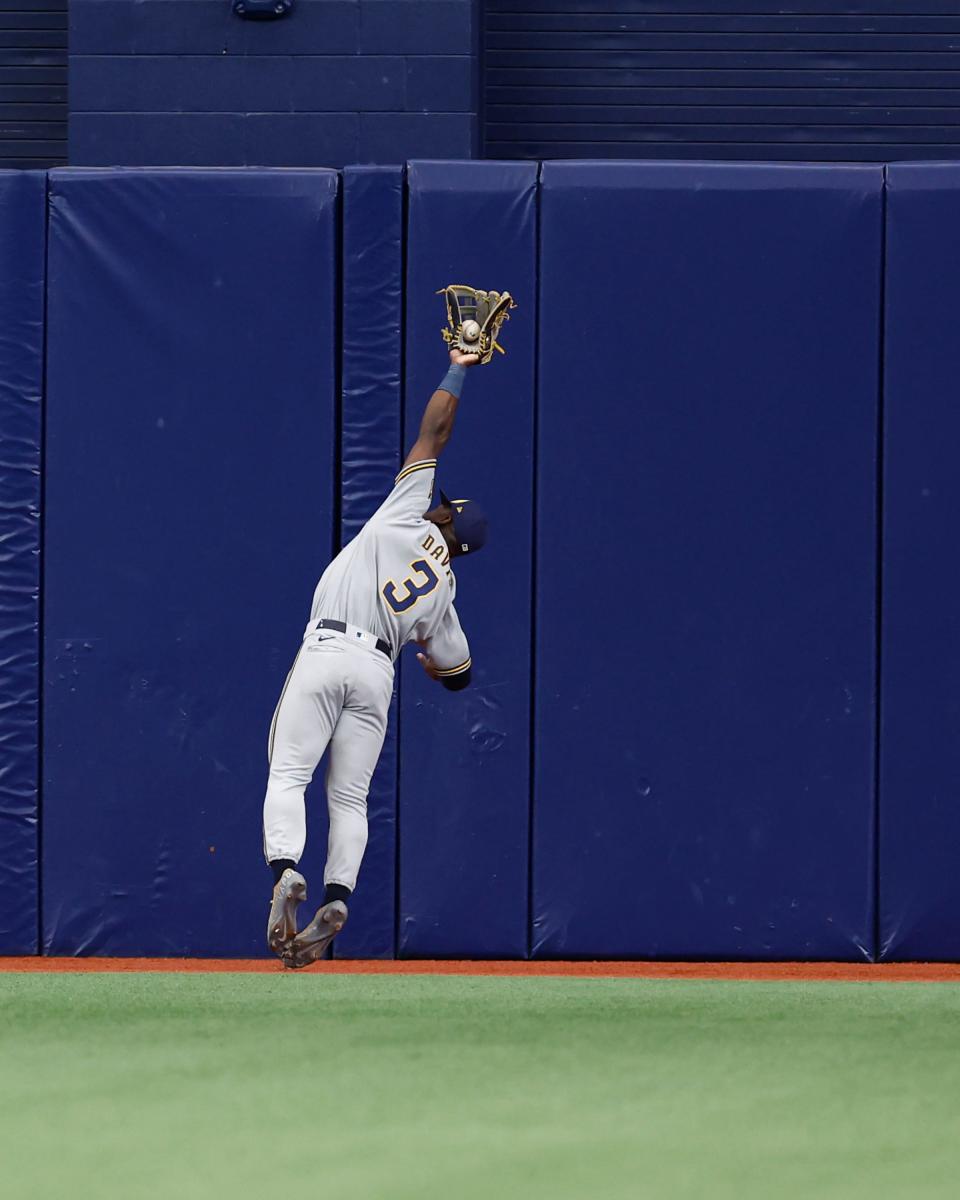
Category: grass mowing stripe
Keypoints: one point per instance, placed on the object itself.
(149, 1086)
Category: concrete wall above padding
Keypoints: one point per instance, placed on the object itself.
(337, 81)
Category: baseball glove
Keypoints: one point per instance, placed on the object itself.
(474, 319)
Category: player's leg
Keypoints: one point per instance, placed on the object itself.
(303, 724)
(354, 750)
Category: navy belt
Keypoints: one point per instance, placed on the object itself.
(340, 627)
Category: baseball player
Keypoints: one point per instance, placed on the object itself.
(391, 585)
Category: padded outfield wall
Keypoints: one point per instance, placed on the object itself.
(671, 745)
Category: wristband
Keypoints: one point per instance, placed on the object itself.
(453, 380)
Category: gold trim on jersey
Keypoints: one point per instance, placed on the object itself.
(426, 464)
(456, 670)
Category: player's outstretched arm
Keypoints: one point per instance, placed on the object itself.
(438, 417)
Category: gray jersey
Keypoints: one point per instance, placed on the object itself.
(394, 579)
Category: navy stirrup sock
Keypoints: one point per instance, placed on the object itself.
(279, 865)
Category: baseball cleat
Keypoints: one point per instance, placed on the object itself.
(290, 891)
(311, 942)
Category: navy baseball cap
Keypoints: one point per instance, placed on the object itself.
(469, 523)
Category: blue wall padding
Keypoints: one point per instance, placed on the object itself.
(22, 250)
(919, 822)
(705, 616)
(464, 773)
(189, 456)
(370, 446)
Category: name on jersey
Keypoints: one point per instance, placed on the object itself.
(439, 551)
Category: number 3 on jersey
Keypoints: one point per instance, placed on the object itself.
(414, 590)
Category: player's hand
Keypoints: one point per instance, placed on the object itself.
(428, 665)
(459, 359)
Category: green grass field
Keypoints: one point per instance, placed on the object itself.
(175, 1087)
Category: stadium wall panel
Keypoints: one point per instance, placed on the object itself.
(189, 510)
(372, 394)
(464, 757)
(22, 265)
(705, 589)
(920, 696)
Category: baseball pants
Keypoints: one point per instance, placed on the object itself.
(338, 695)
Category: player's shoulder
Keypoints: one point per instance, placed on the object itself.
(410, 497)
(410, 469)
(399, 533)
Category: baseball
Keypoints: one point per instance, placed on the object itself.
(471, 331)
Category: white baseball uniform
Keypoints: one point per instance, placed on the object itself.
(391, 584)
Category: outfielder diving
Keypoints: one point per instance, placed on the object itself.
(391, 585)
